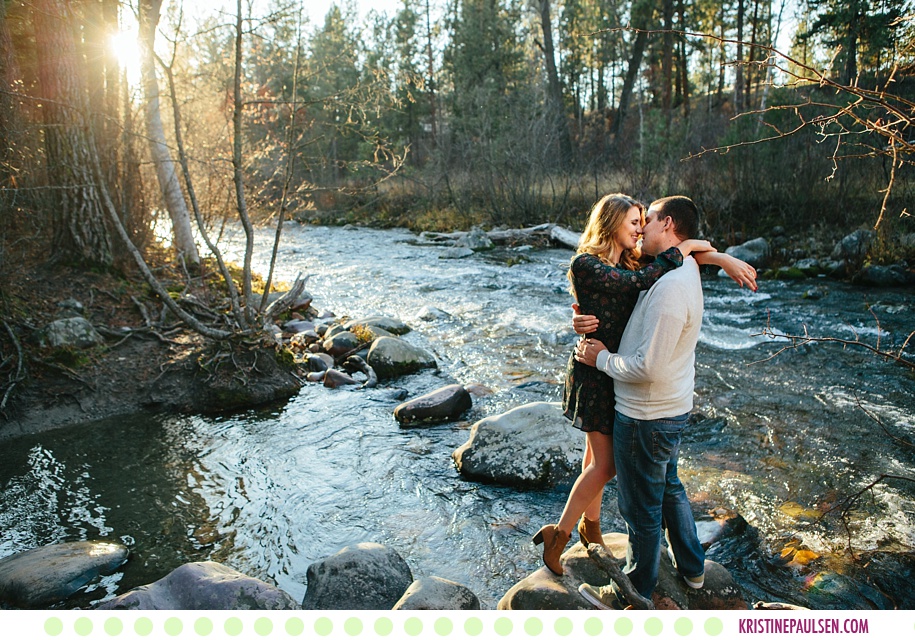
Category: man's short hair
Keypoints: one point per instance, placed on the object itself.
(683, 212)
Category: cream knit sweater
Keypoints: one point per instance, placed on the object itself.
(654, 371)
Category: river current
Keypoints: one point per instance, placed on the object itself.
(787, 436)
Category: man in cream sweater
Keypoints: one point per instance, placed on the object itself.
(653, 377)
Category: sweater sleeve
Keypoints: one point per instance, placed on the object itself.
(589, 272)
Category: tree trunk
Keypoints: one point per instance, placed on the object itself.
(751, 71)
(684, 66)
(80, 232)
(738, 80)
(431, 72)
(667, 57)
(237, 174)
(641, 15)
(10, 125)
(549, 55)
(100, 22)
(851, 55)
(158, 148)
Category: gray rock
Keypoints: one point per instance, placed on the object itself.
(204, 585)
(331, 331)
(341, 343)
(854, 247)
(304, 338)
(432, 313)
(298, 326)
(437, 594)
(756, 252)
(47, 575)
(894, 275)
(476, 240)
(70, 332)
(834, 268)
(527, 445)
(441, 405)
(362, 576)
(545, 590)
(392, 357)
(319, 362)
(385, 323)
(455, 253)
(810, 266)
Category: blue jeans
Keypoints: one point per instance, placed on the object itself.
(651, 496)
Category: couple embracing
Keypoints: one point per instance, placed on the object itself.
(629, 383)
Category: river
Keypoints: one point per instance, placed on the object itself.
(787, 436)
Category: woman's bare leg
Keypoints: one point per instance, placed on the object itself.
(598, 469)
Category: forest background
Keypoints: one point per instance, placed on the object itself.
(440, 115)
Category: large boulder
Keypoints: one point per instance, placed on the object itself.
(204, 585)
(39, 577)
(894, 275)
(76, 332)
(437, 594)
(756, 252)
(441, 405)
(393, 357)
(528, 445)
(853, 248)
(545, 590)
(362, 576)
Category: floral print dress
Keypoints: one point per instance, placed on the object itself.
(610, 293)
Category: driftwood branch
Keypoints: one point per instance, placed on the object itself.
(288, 299)
(608, 563)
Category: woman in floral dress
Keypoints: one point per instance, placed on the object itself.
(607, 278)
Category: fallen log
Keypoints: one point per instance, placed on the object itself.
(555, 233)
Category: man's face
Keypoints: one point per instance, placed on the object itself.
(653, 232)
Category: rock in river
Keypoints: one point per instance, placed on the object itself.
(437, 594)
(204, 585)
(441, 405)
(390, 325)
(528, 445)
(392, 357)
(49, 574)
(362, 576)
(755, 251)
(545, 590)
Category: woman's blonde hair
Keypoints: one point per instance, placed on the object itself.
(607, 216)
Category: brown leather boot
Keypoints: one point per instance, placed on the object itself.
(554, 542)
(589, 532)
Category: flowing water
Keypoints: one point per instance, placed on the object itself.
(270, 491)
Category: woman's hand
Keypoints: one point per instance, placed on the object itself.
(587, 350)
(695, 246)
(583, 323)
(739, 271)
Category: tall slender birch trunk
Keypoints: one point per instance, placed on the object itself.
(166, 173)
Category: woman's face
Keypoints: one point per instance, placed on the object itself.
(627, 236)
